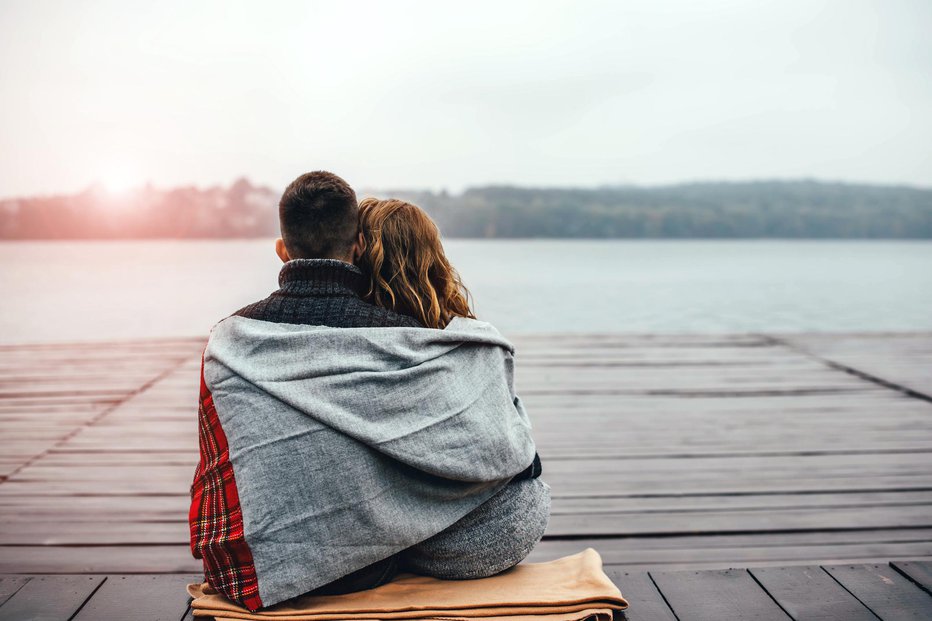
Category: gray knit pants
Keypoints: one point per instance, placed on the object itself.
(497, 535)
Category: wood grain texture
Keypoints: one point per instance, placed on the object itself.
(809, 593)
(645, 603)
(890, 595)
(716, 595)
(153, 598)
(662, 451)
(9, 585)
(49, 598)
(98, 559)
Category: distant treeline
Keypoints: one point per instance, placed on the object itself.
(784, 209)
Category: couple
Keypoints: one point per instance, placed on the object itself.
(359, 422)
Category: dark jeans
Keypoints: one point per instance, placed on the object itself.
(494, 537)
(366, 578)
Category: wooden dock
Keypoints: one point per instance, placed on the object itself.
(720, 477)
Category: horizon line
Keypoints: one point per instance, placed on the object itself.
(100, 186)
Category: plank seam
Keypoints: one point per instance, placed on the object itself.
(864, 375)
(866, 490)
(25, 582)
(153, 343)
(89, 597)
(99, 416)
(769, 594)
(663, 596)
(745, 509)
(717, 533)
(906, 575)
(863, 603)
(726, 455)
(790, 392)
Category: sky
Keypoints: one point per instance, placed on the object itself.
(445, 95)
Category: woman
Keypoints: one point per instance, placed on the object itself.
(410, 274)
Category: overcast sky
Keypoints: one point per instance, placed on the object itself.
(446, 95)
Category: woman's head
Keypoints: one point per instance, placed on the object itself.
(409, 271)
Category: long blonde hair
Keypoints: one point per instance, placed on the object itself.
(408, 269)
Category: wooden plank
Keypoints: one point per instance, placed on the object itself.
(701, 565)
(920, 572)
(81, 471)
(641, 379)
(98, 559)
(765, 552)
(875, 395)
(93, 532)
(803, 444)
(716, 595)
(14, 508)
(10, 585)
(713, 550)
(656, 486)
(890, 595)
(153, 598)
(781, 520)
(808, 592)
(49, 598)
(614, 549)
(118, 457)
(731, 392)
(99, 346)
(684, 505)
(644, 600)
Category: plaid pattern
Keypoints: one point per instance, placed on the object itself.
(215, 518)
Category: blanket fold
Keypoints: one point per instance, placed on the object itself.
(571, 588)
(346, 446)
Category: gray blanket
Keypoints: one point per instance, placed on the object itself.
(351, 444)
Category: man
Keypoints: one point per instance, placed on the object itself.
(342, 443)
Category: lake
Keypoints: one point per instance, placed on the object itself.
(80, 291)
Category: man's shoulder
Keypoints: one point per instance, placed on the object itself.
(335, 312)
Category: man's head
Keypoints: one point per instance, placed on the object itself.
(319, 219)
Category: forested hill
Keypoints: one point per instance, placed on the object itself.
(774, 209)
(802, 209)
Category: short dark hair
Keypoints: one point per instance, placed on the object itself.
(319, 216)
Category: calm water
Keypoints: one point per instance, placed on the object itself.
(73, 291)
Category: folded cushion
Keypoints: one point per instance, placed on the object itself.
(568, 589)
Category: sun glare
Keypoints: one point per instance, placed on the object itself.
(119, 180)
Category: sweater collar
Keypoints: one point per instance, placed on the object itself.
(322, 277)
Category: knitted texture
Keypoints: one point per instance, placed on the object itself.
(324, 292)
(497, 535)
